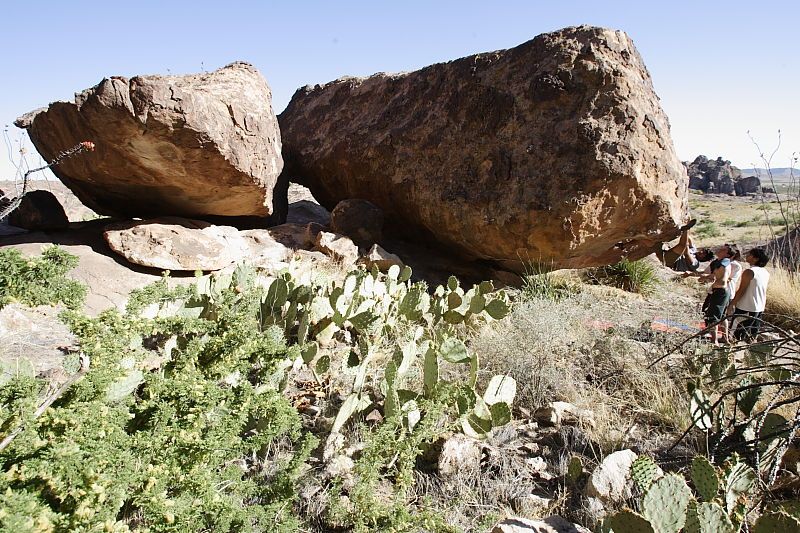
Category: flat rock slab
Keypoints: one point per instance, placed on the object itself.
(202, 144)
(171, 243)
(554, 152)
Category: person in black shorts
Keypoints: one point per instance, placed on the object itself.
(716, 302)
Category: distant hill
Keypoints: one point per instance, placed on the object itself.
(778, 174)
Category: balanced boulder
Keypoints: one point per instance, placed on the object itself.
(556, 151)
(202, 144)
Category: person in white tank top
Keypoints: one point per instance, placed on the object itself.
(751, 298)
(733, 284)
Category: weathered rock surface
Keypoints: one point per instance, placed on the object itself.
(381, 259)
(172, 243)
(552, 524)
(39, 210)
(558, 413)
(553, 151)
(203, 144)
(611, 481)
(338, 247)
(460, 454)
(718, 176)
(35, 336)
(360, 220)
(109, 279)
(748, 185)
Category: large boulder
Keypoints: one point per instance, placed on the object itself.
(554, 151)
(202, 144)
(39, 210)
(172, 243)
(713, 175)
(748, 185)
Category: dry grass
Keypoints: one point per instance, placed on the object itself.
(557, 352)
(783, 294)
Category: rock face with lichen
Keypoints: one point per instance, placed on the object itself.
(554, 151)
(202, 144)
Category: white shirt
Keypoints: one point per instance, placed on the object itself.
(733, 280)
(754, 298)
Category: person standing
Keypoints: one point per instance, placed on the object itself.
(751, 298)
(733, 284)
(716, 302)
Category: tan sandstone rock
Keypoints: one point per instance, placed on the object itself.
(552, 524)
(202, 144)
(554, 151)
(380, 258)
(337, 247)
(460, 454)
(611, 481)
(171, 243)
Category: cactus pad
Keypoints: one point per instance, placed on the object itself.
(666, 502)
(705, 479)
(574, 470)
(777, 523)
(740, 481)
(644, 472)
(628, 522)
(707, 518)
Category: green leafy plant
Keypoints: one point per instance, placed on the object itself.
(39, 280)
(632, 276)
(174, 423)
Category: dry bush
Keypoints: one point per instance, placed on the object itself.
(783, 294)
(557, 351)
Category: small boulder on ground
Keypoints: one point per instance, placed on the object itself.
(311, 232)
(558, 413)
(380, 258)
(172, 243)
(337, 247)
(360, 220)
(39, 210)
(459, 454)
(611, 481)
(552, 524)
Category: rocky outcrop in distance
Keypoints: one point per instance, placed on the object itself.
(718, 176)
(556, 151)
(195, 145)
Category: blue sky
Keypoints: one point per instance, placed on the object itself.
(720, 68)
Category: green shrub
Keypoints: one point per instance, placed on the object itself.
(540, 283)
(39, 280)
(707, 228)
(633, 276)
(199, 444)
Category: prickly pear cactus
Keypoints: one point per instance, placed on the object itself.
(644, 472)
(574, 470)
(707, 518)
(627, 522)
(705, 478)
(777, 523)
(740, 480)
(666, 502)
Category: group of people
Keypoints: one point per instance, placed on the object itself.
(737, 292)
